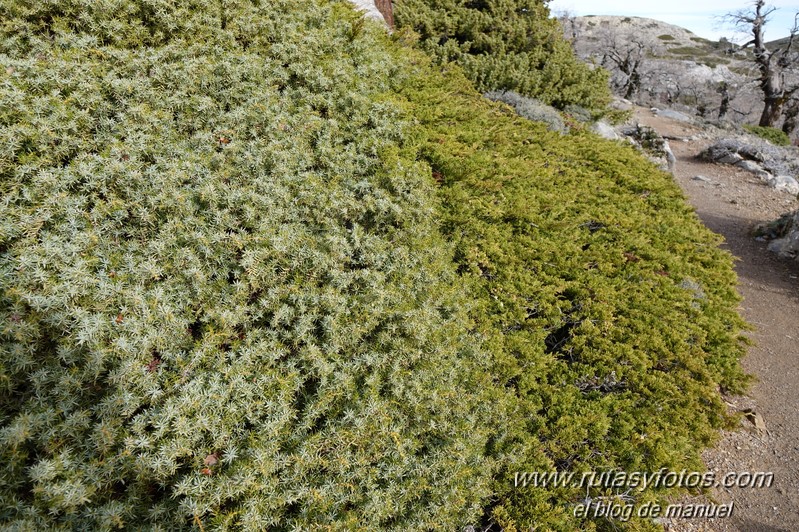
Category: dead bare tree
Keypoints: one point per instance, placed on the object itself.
(723, 88)
(569, 24)
(625, 57)
(772, 64)
(728, 99)
(791, 116)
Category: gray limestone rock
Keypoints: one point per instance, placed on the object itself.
(605, 130)
(369, 8)
(673, 115)
(753, 167)
(784, 183)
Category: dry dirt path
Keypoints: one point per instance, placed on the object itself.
(731, 204)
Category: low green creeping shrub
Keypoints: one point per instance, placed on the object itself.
(607, 307)
(771, 134)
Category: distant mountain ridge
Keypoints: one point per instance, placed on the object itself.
(659, 64)
(592, 24)
(673, 36)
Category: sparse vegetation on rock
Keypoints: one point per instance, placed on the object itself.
(531, 109)
(771, 134)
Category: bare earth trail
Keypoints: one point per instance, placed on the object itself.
(730, 204)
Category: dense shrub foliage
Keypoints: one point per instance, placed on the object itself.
(264, 266)
(608, 308)
(510, 45)
(223, 298)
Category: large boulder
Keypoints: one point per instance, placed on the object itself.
(788, 245)
(784, 183)
(731, 151)
(370, 9)
(773, 165)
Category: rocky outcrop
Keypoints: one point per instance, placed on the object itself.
(652, 144)
(784, 235)
(379, 10)
(657, 64)
(605, 130)
(531, 109)
(767, 162)
(673, 115)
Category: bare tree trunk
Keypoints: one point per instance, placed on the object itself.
(384, 6)
(633, 84)
(772, 77)
(791, 117)
(724, 108)
(774, 95)
(771, 112)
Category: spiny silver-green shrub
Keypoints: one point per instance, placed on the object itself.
(224, 300)
(511, 45)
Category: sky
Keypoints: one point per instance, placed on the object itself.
(701, 17)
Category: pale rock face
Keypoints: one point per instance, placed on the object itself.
(784, 183)
(605, 130)
(753, 167)
(674, 115)
(671, 160)
(716, 74)
(788, 246)
(369, 8)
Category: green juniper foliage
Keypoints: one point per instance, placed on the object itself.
(224, 300)
(510, 45)
(262, 265)
(608, 309)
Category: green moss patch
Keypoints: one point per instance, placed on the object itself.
(771, 134)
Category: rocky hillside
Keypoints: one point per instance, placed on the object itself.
(666, 66)
(592, 28)
(656, 63)
(666, 41)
